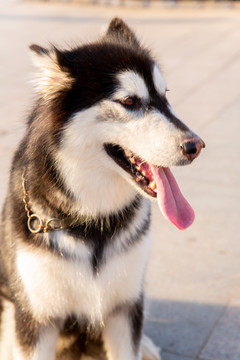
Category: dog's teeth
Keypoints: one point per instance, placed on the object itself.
(131, 159)
(152, 185)
(138, 168)
(143, 172)
(128, 153)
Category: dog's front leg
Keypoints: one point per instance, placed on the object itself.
(33, 341)
(122, 333)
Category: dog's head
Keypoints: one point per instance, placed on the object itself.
(108, 103)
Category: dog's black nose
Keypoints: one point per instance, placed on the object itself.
(191, 148)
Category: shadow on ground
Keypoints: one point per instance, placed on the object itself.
(181, 327)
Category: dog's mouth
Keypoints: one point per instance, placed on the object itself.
(138, 169)
(156, 182)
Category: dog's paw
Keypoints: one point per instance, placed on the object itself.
(149, 350)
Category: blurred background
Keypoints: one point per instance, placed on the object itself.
(193, 278)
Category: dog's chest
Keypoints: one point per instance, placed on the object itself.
(57, 287)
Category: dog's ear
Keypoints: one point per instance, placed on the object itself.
(52, 77)
(120, 32)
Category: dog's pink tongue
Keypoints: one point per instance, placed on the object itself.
(170, 199)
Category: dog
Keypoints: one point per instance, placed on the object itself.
(75, 223)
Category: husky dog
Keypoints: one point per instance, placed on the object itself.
(75, 223)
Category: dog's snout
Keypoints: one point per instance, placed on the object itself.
(191, 148)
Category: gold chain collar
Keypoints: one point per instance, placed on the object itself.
(43, 225)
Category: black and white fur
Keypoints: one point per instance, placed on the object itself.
(63, 292)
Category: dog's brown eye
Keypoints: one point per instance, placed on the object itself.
(129, 101)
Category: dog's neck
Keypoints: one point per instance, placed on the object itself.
(39, 223)
(43, 213)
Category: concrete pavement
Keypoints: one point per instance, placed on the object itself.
(193, 279)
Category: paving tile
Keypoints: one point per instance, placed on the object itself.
(224, 343)
(167, 356)
(4, 172)
(180, 327)
(8, 143)
(191, 274)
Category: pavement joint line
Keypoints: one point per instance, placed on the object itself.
(233, 294)
(198, 356)
(225, 308)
